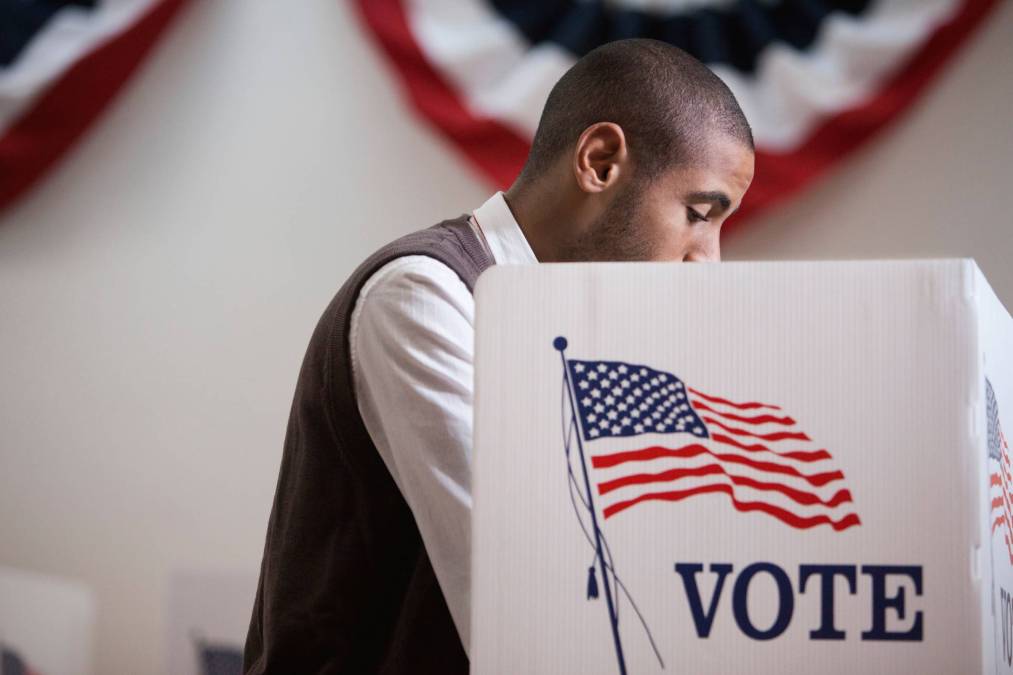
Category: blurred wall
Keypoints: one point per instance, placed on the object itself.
(158, 290)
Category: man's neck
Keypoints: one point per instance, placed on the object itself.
(543, 215)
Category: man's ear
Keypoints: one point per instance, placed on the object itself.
(601, 155)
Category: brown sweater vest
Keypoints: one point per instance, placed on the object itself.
(346, 585)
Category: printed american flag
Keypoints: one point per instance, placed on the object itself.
(1000, 479)
(652, 438)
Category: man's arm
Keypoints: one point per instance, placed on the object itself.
(412, 341)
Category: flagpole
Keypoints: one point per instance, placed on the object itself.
(560, 344)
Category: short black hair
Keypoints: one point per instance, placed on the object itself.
(667, 103)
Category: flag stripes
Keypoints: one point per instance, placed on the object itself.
(784, 515)
(799, 496)
(776, 436)
(696, 449)
(730, 404)
(759, 419)
(800, 455)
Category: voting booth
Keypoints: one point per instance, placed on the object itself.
(742, 468)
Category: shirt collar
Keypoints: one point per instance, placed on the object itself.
(503, 235)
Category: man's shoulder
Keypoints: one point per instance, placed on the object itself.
(449, 247)
(450, 233)
(410, 276)
(441, 261)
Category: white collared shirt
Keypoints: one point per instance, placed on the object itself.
(411, 341)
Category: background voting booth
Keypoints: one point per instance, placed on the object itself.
(742, 468)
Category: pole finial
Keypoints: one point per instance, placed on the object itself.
(559, 343)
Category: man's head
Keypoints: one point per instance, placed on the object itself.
(641, 153)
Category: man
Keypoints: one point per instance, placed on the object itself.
(641, 153)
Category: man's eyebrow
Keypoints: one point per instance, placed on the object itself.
(714, 197)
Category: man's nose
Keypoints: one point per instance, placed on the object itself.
(708, 250)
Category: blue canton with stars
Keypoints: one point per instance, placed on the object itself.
(616, 399)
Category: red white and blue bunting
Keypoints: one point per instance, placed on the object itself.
(816, 78)
(61, 62)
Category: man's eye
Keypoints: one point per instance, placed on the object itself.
(694, 216)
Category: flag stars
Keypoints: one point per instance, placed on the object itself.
(618, 399)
